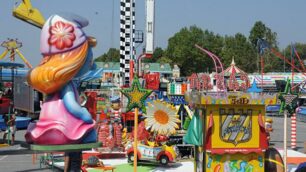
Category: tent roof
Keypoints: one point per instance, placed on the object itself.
(233, 70)
(11, 65)
(254, 88)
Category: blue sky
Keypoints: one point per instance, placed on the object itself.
(287, 18)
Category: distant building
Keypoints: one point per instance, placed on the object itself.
(164, 70)
(111, 71)
(176, 71)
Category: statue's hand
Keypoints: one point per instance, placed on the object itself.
(86, 117)
(73, 106)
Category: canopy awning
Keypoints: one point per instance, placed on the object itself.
(11, 65)
(6, 74)
(92, 75)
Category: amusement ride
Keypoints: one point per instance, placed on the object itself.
(219, 119)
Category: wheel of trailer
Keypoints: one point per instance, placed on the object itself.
(130, 157)
(164, 160)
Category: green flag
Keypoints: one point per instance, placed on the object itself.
(194, 134)
(186, 123)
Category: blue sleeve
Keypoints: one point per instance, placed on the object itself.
(73, 106)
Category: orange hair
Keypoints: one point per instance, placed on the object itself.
(57, 70)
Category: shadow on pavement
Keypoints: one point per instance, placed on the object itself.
(39, 169)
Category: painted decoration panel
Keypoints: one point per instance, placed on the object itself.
(253, 162)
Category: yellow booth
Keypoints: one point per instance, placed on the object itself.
(234, 137)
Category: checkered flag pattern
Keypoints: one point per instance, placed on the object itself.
(127, 38)
(289, 98)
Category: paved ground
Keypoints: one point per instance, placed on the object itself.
(23, 163)
(278, 133)
(20, 162)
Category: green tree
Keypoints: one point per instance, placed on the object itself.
(112, 55)
(157, 54)
(239, 48)
(301, 51)
(182, 51)
(271, 62)
(164, 60)
(260, 30)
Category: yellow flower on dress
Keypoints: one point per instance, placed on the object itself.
(162, 117)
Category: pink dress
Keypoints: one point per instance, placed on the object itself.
(56, 126)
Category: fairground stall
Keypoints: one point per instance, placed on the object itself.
(228, 130)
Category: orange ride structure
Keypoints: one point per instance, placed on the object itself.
(11, 46)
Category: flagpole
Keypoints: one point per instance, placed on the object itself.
(285, 141)
(135, 138)
(136, 96)
(262, 71)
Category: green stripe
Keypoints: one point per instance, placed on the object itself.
(71, 147)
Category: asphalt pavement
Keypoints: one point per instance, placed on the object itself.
(19, 159)
(277, 136)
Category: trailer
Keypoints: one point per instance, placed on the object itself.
(26, 100)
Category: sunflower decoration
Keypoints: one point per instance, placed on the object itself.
(162, 117)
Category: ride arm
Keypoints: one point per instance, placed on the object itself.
(23, 58)
(3, 54)
(73, 106)
(27, 13)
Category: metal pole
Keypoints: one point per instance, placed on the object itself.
(262, 72)
(293, 131)
(284, 63)
(292, 70)
(139, 70)
(285, 141)
(196, 154)
(73, 161)
(135, 138)
(8, 126)
(258, 63)
(181, 115)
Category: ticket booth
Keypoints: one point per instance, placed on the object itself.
(234, 137)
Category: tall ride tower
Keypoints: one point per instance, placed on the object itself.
(127, 39)
(150, 10)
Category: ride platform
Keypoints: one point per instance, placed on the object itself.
(63, 148)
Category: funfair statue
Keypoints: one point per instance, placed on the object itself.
(67, 55)
(110, 131)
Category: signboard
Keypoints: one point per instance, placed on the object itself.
(237, 98)
(236, 127)
(149, 152)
